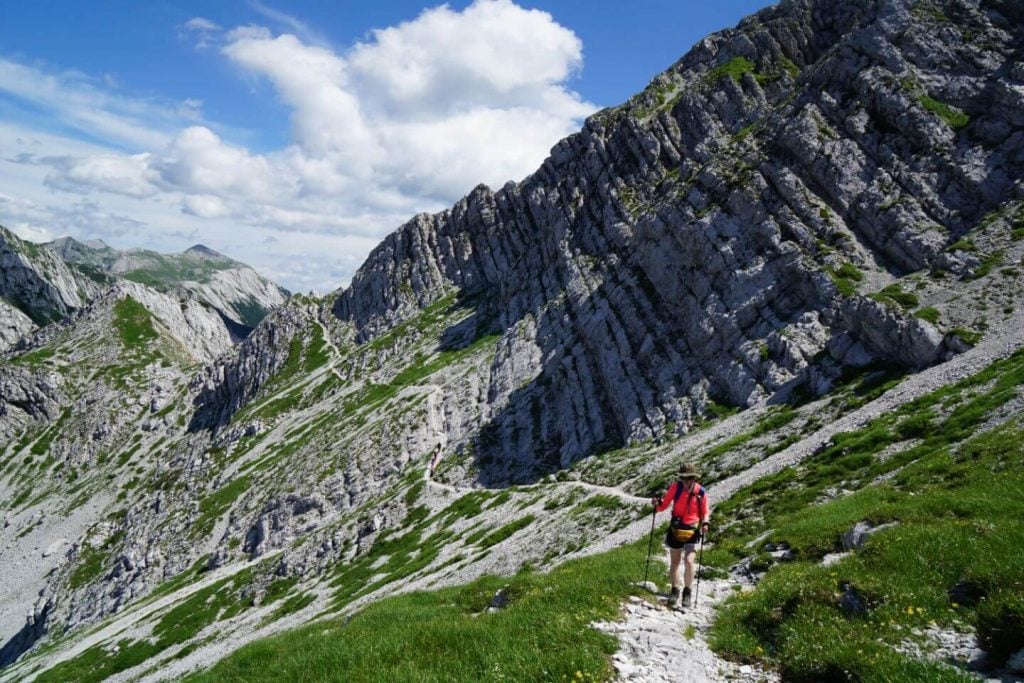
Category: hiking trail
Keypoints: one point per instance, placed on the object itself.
(658, 644)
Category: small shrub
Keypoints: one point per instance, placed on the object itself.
(893, 295)
(845, 278)
(734, 69)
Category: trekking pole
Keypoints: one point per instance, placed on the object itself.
(700, 558)
(650, 546)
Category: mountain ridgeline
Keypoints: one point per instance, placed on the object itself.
(719, 237)
(802, 227)
(43, 283)
(240, 294)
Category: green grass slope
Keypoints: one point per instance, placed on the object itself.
(954, 558)
(541, 635)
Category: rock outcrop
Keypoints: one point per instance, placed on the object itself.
(13, 324)
(37, 282)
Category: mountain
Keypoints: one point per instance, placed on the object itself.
(794, 260)
(36, 283)
(232, 288)
(41, 284)
(769, 212)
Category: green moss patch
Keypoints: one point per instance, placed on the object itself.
(846, 277)
(734, 69)
(953, 117)
(894, 296)
(217, 503)
(506, 531)
(134, 324)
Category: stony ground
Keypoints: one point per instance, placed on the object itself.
(658, 644)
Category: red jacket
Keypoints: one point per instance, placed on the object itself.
(692, 508)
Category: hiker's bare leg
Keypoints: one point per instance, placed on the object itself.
(691, 556)
(673, 568)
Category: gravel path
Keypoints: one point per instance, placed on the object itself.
(657, 644)
(652, 644)
(335, 352)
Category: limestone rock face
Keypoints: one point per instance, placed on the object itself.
(38, 283)
(27, 396)
(223, 387)
(241, 294)
(13, 324)
(661, 254)
(200, 331)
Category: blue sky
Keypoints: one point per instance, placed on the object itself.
(295, 136)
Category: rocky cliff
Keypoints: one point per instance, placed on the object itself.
(720, 236)
(830, 193)
(37, 283)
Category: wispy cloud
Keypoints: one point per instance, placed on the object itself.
(201, 24)
(288, 23)
(88, 105)
(201, 30)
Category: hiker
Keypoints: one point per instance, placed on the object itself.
(689, 525)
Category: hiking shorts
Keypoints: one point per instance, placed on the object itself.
(676, 545)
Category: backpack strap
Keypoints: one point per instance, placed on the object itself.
(679, 494)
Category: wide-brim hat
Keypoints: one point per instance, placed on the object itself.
(687, 471)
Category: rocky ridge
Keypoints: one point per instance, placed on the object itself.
(720, 236)
(37, 284)
(235, 290)
(787, 205)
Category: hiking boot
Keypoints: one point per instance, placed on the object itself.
(686, 597)
(673, 597)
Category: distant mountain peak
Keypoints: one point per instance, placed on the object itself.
(204, 251)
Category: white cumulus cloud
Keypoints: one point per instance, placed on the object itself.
(407, 120)
(129, 175)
